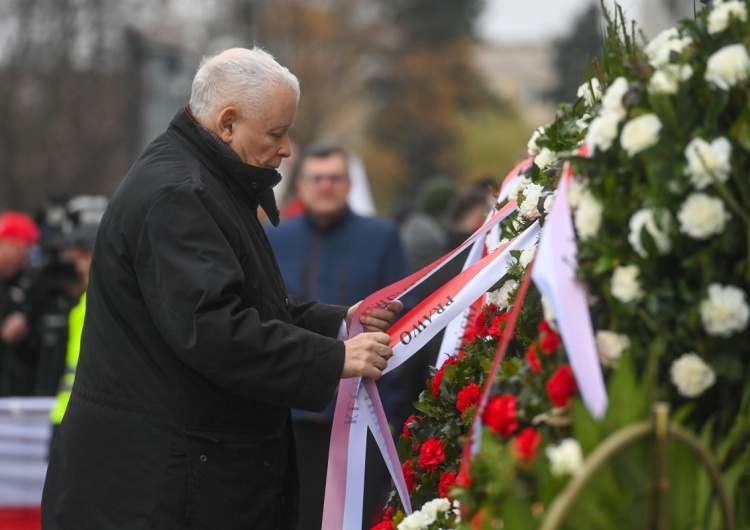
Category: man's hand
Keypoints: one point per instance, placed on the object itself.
(14, 328)
(376, 318)
(367, 355)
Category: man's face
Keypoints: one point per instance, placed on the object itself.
(12, 258)
(263, 140)
(323, 185)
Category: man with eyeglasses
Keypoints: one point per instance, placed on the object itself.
(333, 255)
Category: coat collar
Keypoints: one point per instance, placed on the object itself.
(256, 182)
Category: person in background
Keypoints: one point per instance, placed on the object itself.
(192, 351)
(331, 254)
(18, 235)
(80, 252)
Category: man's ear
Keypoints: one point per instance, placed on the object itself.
(225, 123)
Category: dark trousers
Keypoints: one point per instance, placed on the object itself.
(312, 440)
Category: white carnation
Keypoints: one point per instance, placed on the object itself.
(728, 66)
(526, 256)
(725, 311)
(530, 207)
(706, 162)
(548, 201)
(518, 185)
(720, 15)
(566, 458)
(659, 231)
(702, 216)
(668, 79)
(545, 157)
(610, 346)
(640, 133)
(590, 92)
(612, 100)
(501, 297)
(532, 148)
(626, 286)
(588, 216)
(660, 49)
(602, 131)
(691, 375)
(416, 521)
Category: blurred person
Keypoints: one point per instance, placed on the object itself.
(467, 211)
(331, 254)
(423, 229)
(192, 351)
(18, 235)
(80, 253)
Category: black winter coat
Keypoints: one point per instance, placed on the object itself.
(192, 355)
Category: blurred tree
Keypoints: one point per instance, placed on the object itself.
(64, 82)
(574, 52)
(426, 80)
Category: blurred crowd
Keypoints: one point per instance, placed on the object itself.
(44, 258)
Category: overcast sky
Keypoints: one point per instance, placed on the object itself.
(525, 21)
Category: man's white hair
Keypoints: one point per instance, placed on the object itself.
(238, 77)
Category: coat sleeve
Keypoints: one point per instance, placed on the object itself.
(192, 282)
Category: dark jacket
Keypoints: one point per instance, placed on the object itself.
(192, 355)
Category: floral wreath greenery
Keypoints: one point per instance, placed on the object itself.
(661, 208)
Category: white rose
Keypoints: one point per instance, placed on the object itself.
(591, 93)
(501, 297)
(702, 216)
(518, 185)
(530, 207)
(575, 189)
(708, 161)
(544, 158)
(718, 18)
(667, 80)
(566, 458)
(602, 131)
(588, 216)
(626, 286)
(612, 100)
(526, 256)
(725, 311)
(415, 521)
(659, 232)
(691, 375)
(610, 346)
(660, 49)
(728, 66)
(531, 147)
(435, 507)
(640, 133)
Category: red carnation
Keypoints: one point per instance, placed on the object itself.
(447, 480)
(410, 475)
(467, 397)
(481, 328)
(436, 382)
(532, 359)
(431, 454)
(561, 386)
(498, 326)
(500, 415)
(406, 433)
(550, 340)
(525, 444)
(463, 479)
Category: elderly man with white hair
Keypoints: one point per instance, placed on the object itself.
(192, 352)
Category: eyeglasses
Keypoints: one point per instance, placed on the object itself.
(333, 178)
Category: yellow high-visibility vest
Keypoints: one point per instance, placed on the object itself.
(75, 330)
